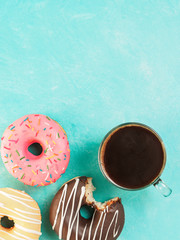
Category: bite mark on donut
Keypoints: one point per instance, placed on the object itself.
(89, 189)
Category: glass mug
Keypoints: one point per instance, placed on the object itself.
(132, 156)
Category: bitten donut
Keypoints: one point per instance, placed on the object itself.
(46, 136)
(106, 222)
(23, 212)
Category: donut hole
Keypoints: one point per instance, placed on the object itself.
(35, 149)
(86, 211)
(6, 222)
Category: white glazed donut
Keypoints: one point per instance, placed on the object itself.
(23, 211)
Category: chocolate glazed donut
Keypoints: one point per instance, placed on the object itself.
(105, 224)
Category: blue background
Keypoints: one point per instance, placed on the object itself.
(92, 65)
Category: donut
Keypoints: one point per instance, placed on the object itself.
(47, 137)
(106, 223)
(24, 214)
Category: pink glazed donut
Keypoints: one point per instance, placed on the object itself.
(45, 135)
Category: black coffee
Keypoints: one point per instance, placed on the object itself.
(133, 156)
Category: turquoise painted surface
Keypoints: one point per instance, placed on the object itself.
(92, 65)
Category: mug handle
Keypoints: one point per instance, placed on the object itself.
(162, 188)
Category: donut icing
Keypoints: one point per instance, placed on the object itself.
(105, 224)
(23, 165)
(24, 211)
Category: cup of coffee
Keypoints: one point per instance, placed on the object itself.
(132, 156)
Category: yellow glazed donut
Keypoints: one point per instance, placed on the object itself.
(22, 212)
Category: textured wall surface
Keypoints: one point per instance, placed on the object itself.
(92, 65)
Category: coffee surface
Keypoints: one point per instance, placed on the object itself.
(133, 157)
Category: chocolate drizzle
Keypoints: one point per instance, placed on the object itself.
(66, 220)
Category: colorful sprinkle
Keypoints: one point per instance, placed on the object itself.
(27, 160)
(17, 153)
(22, 175)
(48, 135)
(54, 142)
(12, 161)
(29, 121)
(50, 175)
(9, 136)
(16, 141)
(42, 184)
(32, 129)
(6, 162)
(45, 150)
(37, 133)
(47, 176)
(44, 129)
(20, 168)
(47, 181)
(33, 172)
(15, 167)
(47, 167)
(39, 121)
(48, 118)
(36, 185)
(58, 159)
(68, 150)
(50, 161)
(6, 155)
(46, 142)
(58, 135)
(23, 121)
(10, 155)
(12, 128)
(21, 158)
(7, 148)
(50, 156)
(33, 182)
(55, 171)
(27, 125)
(29, 165)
